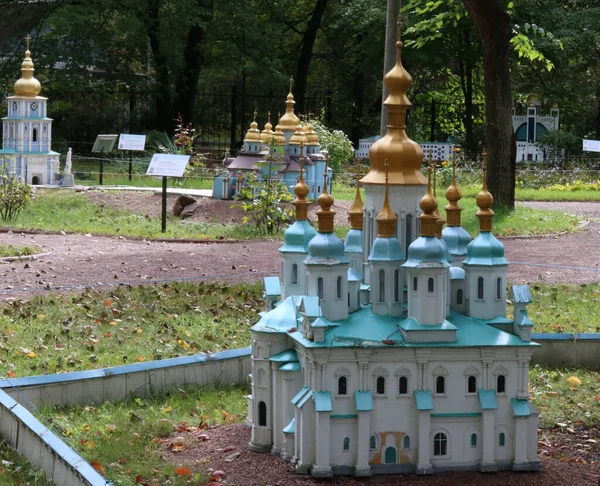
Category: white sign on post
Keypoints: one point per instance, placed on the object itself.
(132, 142)
(167, 165)
(591, 145)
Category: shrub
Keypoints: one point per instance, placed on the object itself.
(336, 143)
(15, 195)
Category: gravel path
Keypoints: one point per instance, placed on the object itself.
(76, 261)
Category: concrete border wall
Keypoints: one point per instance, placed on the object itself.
(567, 350)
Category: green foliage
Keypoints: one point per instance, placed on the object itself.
(17, 470)
(15, 195)
(558, 144)
(17, 251)
(262, 201)
(336, 143)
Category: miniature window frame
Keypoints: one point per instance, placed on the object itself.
(402, 373)
(441, 437)
(480, 288)
(440, 372)
(500, 371)
(294, 279)
(499, 288)
(380, 373)
(339, 288)
(342, 373)
(471, 372)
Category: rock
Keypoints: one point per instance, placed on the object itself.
(188, 210)
(181, 202)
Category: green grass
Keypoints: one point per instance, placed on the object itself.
(141, 180)
(58, 333)
(15, 469)
(125, 439)
(73, 213)
(523, 194)
(564, 402)
(12, 251)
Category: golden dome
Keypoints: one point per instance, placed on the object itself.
(484, 201)
(404, 156)
(301, 190)
(27, 85)
(311, 136)
(428, 205)
(289, 121)
(325, 214)
(355, 214)
(267, 134)
(298, 137)
(533, 97)
(253, 134)
(554, 105)
(386, 219)
(453, 195)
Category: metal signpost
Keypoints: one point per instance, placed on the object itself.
(591, 145)
(132, 142)
(103, 145)
(167, 165)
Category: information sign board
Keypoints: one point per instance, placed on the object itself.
(128, 141)
(591, 145)
(104, 143)
(168, 165)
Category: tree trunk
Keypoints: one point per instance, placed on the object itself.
(389, 57)
(492, 23)
(466, 83)
(598, 114)
(306, 52)
(164, 121)
(358, 105)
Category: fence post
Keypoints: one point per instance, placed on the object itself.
(232, 128)
(432, 127)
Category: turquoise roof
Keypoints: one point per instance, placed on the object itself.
(457, 238)
(294, 366)
(525, 321)
(386, 250)
(325, 249)
(520, 407)
(424, 399)
(426, 249)
(305, 399)
(323, 402)
(354, 276)
(364, 401)
(297, 237)
(300, 394)
(281, 319)
(487, 399)
(449, 258)
(521, 294)
(486, 250)
(322, 322)
(353, 241)
(457, 273)
(411, 324)
(310, 304)
(272, 286)
(285, 356)
(291, 427)
(499, 320)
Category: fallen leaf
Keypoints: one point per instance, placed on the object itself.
(31, 355)
(167, 409)
(98, 467)
(11, 374)
(573, 380)
(228, 448)
(177, 448)
(108, 303)
(183, 471)
(232, 457)
(111, 427)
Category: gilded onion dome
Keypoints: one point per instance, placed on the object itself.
(453, 195)
(301, 190)
(484, 201)
(386, 219)
(325, 214)
(428, 205)
(289, 121)
(298, 137)
(27, 85)
(279, 135)
(404, 156)
(267, 134)
(532, 97)
(355, 214)
(253, 133)
(311, 136)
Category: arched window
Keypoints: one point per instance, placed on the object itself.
(415, 284)
(472, 384)
(373, 443)
(339, 287)
(480, 288)
(430, 284)
(346, 443)
(380, 385)
(403, 385)
(501, 439)
(408, 240)
(499, 288)
(294, 274)
(34, 135)
(501, 384)
(320, 287)
(440, 385)
(473, 440)
(396, 285)
(381, 285)
(440, 444)
(459, 296)
(406, 442)
(342, 385)
(262, 414)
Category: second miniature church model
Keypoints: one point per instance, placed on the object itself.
(391, 352)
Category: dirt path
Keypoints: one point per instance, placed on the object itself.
(77, 261)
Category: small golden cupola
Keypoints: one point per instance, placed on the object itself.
(355, 214)
(311, 136)
(267, 135)
(299, 136)
(440, 219)
(301, 190)
(278, 135)
(253, 133)
(428, 205)
(325, 213)
(27, 85)
(453, 195)
(289, 121)
(386, 219)
(404, 156)
(484, 201)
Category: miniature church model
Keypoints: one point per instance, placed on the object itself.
(276, 155)
(391, 352)
(27, 130)
(530, 127)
